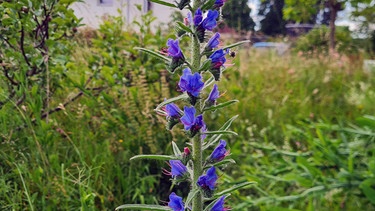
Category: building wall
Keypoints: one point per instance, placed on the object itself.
(92, 11)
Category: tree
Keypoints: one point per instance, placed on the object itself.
(236, 13)
(273, 22)
(301, 11)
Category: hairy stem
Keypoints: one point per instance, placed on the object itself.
(197, 144)
(197, 171)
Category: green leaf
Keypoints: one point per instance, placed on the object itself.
(143, 207)
(368, 189)
(183, 27)
(208, 5)
(213, 202)
(154, 157)
(235, 44)
(221, 105)
(221, 132)
(170, 100)
(190, 197)
(215, 138)
(164, 3)
(176, 150)
(153, 53)
(205, 66)
(233, 188)
(223, 162)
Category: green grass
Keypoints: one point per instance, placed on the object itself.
(80, 159)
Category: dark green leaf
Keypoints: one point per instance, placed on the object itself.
(154, 54)
(236, 44)
(164, 3)
(143, 207)
(221, 105)
(233, 188)
(154, 157)
(183, 27)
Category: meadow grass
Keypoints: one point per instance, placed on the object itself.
(80, 160)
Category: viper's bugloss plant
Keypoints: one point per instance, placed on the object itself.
(199, 76)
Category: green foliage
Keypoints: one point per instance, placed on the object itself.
(316, 41)
(236, 14)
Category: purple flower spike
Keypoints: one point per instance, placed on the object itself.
(208, 181)
(219, 205)
(175, 202)
(198, 16)
(219, 3)
(191, 83)
(209, 23)
(177, 168)
(190, 122)
(219, 152)
(173, 111)
(213, 42)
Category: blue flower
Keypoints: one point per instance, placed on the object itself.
(209, 23)
(173, 111)
(177, 168)
(175, 202)
(219, 3)
(198, 16)
(217, 61)
(208, 181)
(190, 122)
(219, 152)
(173, 115)
(219, 205)
(175, 52)
(191, 83)
(214, 94)
(174, 49)
(213, 42)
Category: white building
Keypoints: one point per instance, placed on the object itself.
(92, 11)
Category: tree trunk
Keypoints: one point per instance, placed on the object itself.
(333, 7)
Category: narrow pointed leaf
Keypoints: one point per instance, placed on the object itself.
(208, 5)
(221, 105)
(164, 3)
(236, 44)
(205, 66)
(176, 150)
(143, 207)
(183, 27)
(213, 202)
(221, 132)
(190, 197)
(233, 188)
(171, 100)
(154, 54)
(154, 157)
(225, 161)
(209, 82)
(216, 138)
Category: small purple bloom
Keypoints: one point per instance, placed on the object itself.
(198, 16)
(219, 205)
(219, 152)
(177, 168)
(208, 181)
(189, 19)
(191, 83)
(174, 49)
(213, 42)
(218, 58)
(219, 3)
(190, 122)
(173, 111)
(209, 23)
(214, 94)
(203, 130)
(175, 202)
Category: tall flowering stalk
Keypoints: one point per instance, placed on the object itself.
(187, 110)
